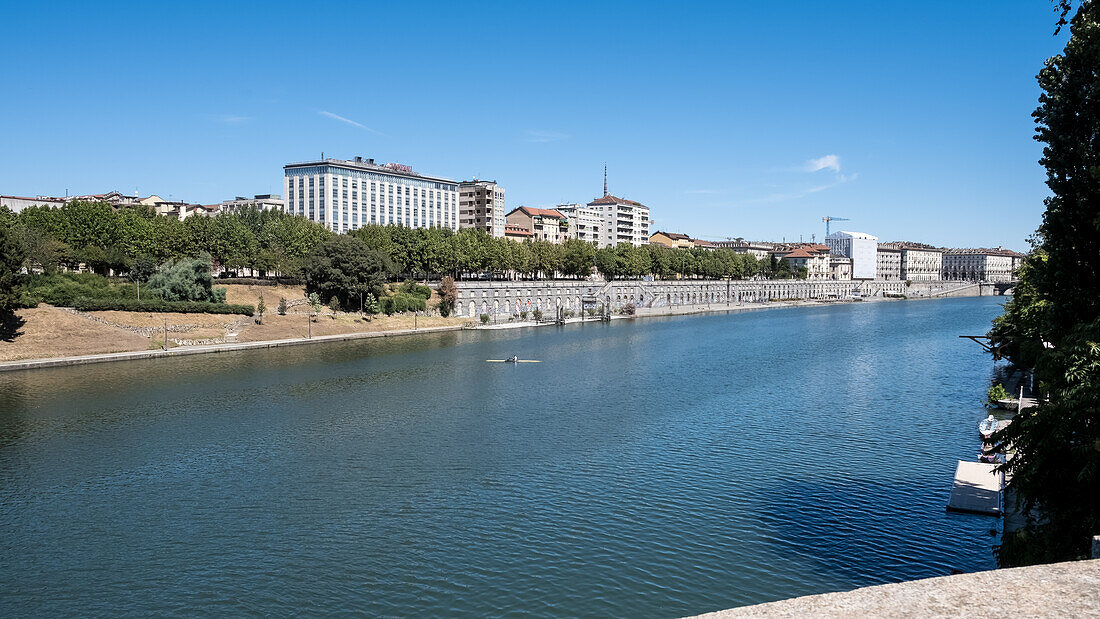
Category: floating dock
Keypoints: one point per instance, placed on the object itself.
(977, 489)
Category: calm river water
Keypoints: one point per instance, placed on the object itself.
(656, 467)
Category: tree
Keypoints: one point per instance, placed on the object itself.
(11, 265)
(314, 301)
(281, 308)
(448, 296)
(1053, 322)
(261, 307)
(343, 267)
(334, 305)
(370, 304)
(141, 269)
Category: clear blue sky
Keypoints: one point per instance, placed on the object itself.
(713, 114)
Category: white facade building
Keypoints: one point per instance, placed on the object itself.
(861, 248)
(920, 263)
(481, 206)
(347, 195)
(621, 221)
(263, 202)
(584, 221)
(888, 262)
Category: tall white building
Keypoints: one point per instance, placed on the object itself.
(481, 206)
(347, 195)
(861, 248)
(621, 221)
(584, 221)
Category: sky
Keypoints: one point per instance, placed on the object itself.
(728, 119)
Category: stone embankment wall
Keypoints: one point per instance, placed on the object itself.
(505, 298)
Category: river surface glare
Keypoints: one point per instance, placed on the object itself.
(655, 467)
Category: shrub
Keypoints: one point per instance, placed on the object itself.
(64, 289)
(523, 315)
(996, 393)
(484, 319)
(334, 304)
(188, 279)
(261, 307)
(628, 309)
(413, 288)
(402, 302)
(445, 308)
(537, 314)
(160, 305)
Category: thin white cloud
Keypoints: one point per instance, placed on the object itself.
(234, 120)
(541, 137)
(349, 121)
(828, 162)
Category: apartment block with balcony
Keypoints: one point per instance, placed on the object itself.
(584, 222)
(623, 221)
(481, 206)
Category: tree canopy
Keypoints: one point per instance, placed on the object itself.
(1052, 323)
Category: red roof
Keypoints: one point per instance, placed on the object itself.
(610, 199)
(539, 212)
(702, 243)
(676, 236)
(516, 231)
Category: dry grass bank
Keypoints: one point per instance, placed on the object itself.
(52, 332)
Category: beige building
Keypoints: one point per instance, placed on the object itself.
(888, 262)
(990, 265)
(840, 268)
(584, 222)
(814, 258)
(673, 240)
(757, 250)
(543, 224)
(622, 221)
(481, 206)
(920, 262)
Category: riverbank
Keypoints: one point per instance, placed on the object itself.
(79, 331)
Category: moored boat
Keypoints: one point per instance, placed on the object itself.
(987, 427)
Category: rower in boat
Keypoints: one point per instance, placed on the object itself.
(513, 359)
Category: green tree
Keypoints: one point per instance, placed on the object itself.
(1053, 322)
(370, 304)
(11, 265)
(281, 308)
(343, 267)
(314, 301)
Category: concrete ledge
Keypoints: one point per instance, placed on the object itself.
(1069, 589)
(31, 364)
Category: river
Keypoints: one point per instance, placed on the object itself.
(653, 467)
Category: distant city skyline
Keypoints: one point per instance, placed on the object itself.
(727, 121)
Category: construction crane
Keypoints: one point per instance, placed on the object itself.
(830, 218)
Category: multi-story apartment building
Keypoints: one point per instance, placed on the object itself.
(262, 201)
(584, 222)
(860, 247)
(991, 265)
(673, 240)
(543, 224)
(347, 195)
(920, 262)
(481, 206)
(888, 262)
(622, 221)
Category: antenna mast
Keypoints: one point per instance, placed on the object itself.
(605, 179)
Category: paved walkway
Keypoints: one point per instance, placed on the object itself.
(1069, 589)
